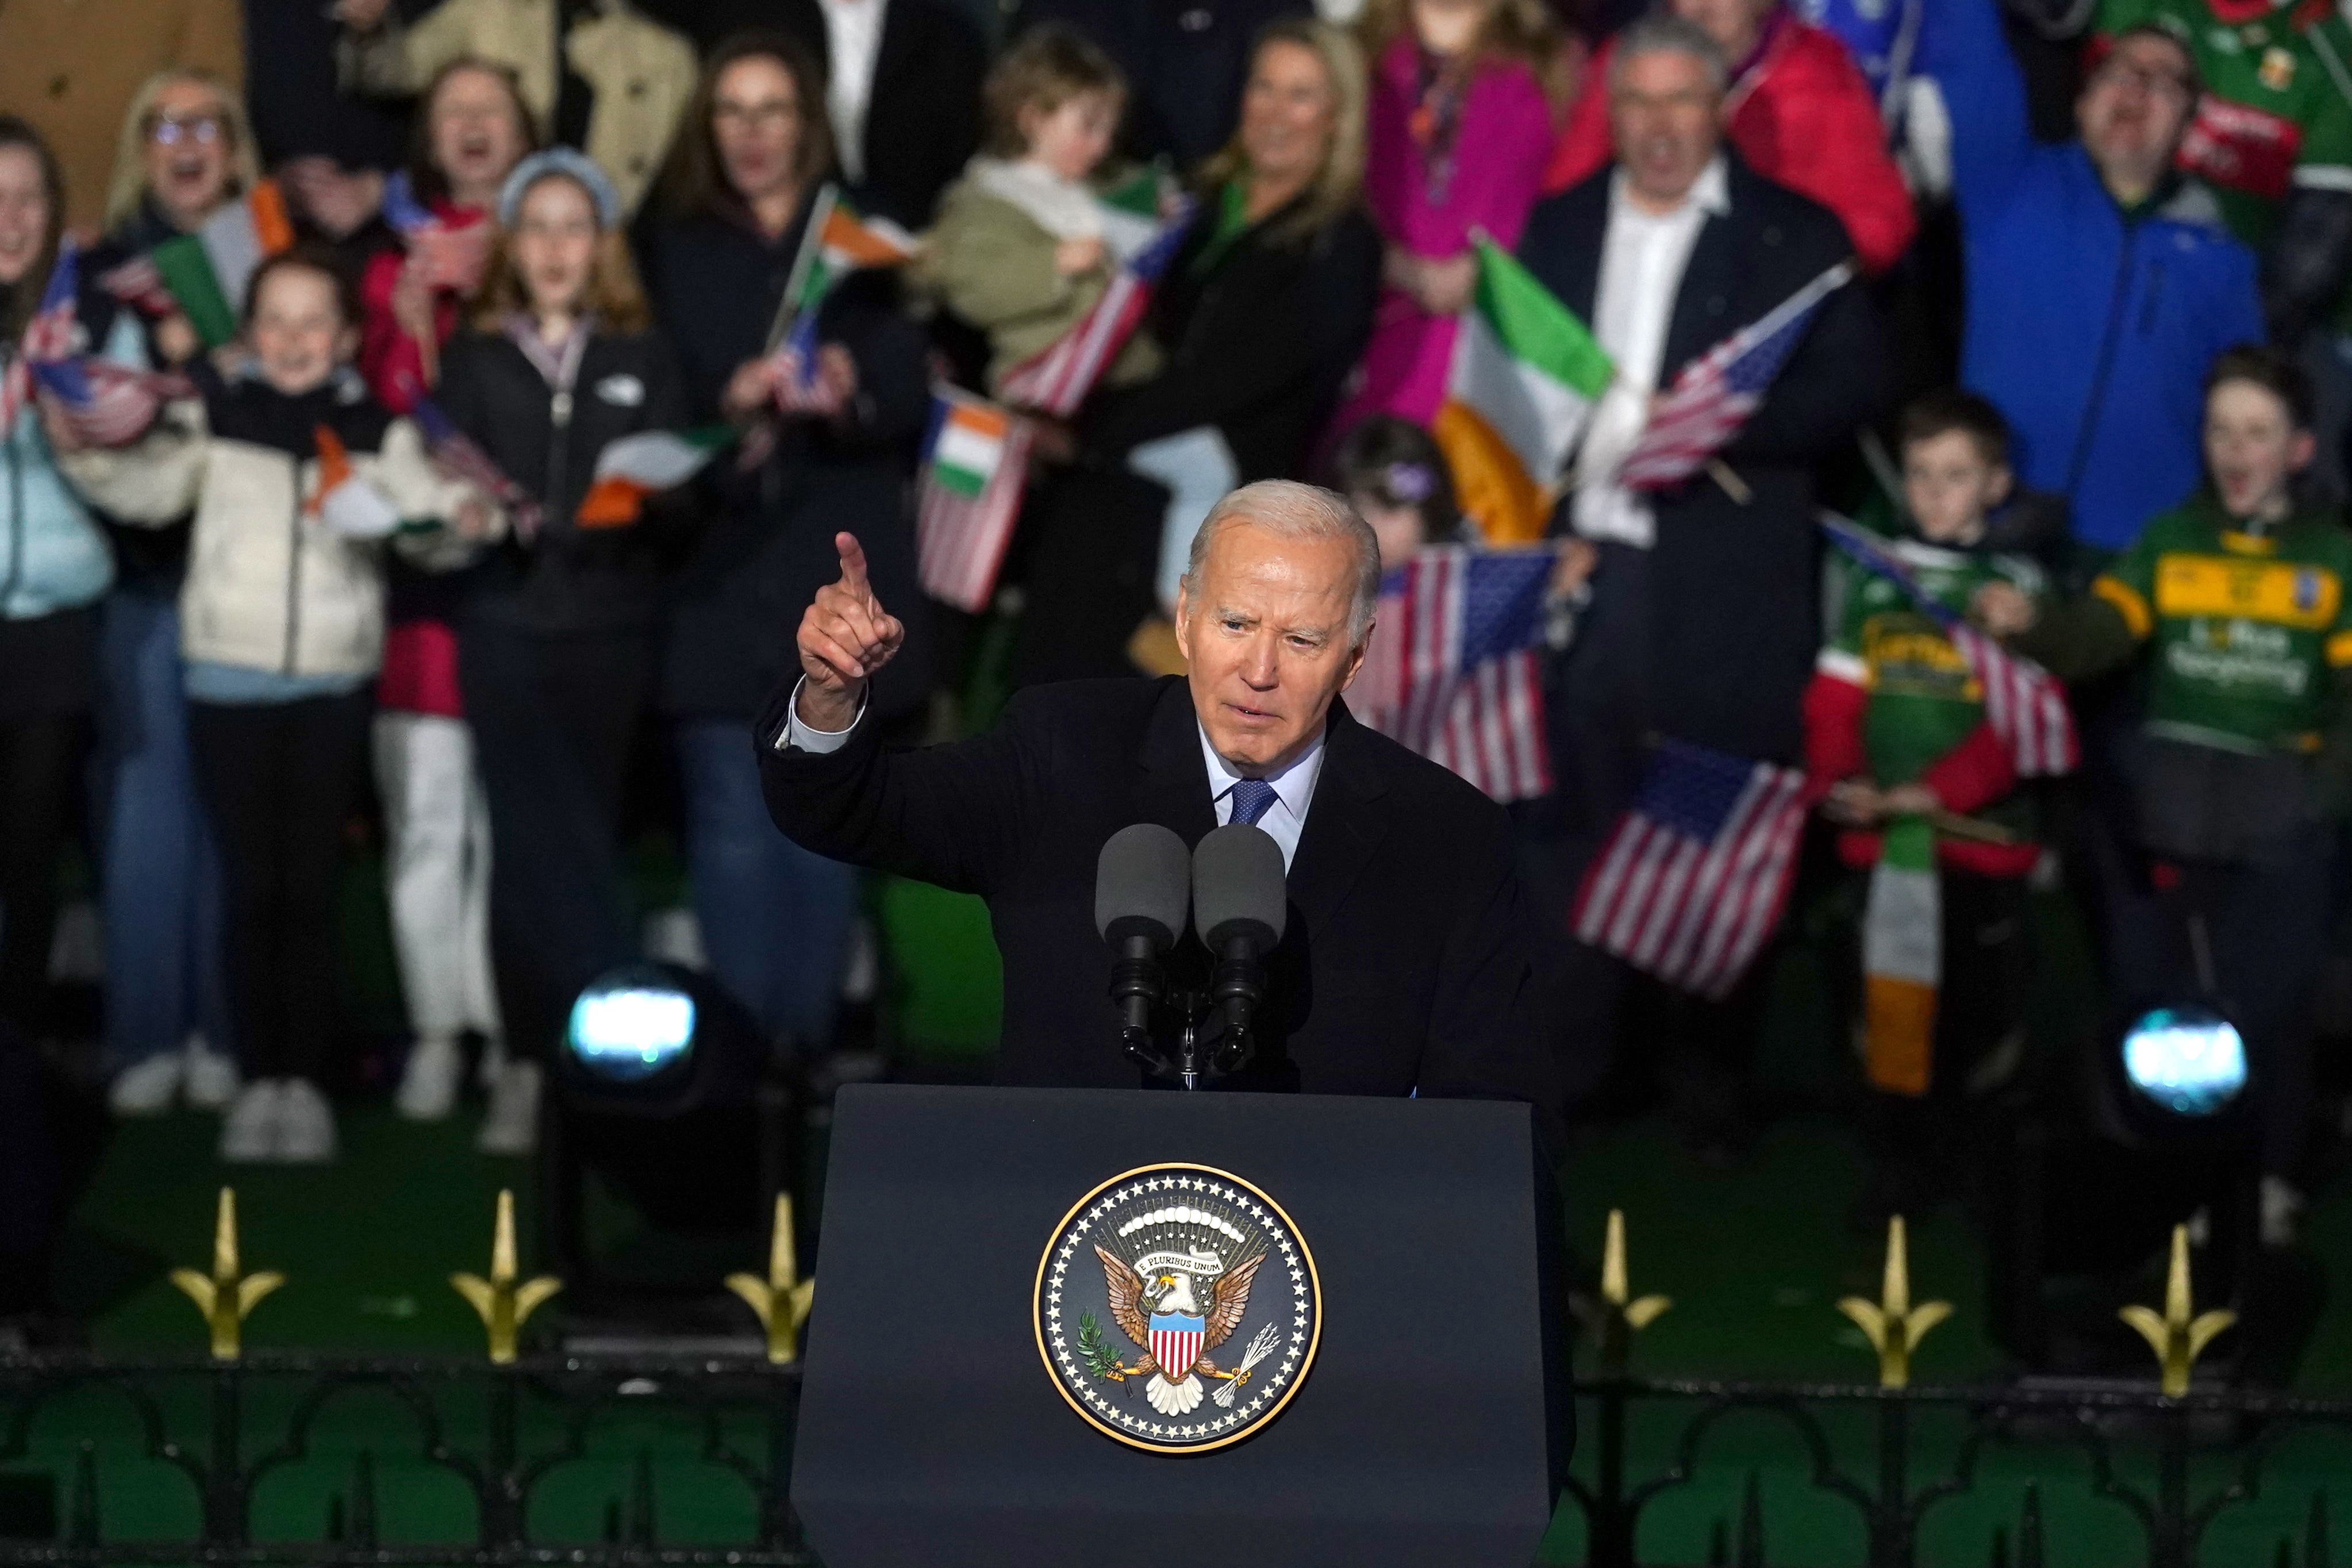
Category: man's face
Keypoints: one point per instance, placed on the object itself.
(2135, 109)
(1265, 635)
(1662, 114)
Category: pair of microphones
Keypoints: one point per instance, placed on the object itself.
(1232, 886)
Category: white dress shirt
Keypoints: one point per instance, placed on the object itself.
(1643, 258)
(852, 35)
(1285, 820)
(1294, 791)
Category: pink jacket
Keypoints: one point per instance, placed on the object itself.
(1505, 127)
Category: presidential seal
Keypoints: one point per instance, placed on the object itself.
(1178, 1309)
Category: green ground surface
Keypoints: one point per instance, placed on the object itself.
(1754, 1259)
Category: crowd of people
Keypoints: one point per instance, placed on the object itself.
(2089, 371)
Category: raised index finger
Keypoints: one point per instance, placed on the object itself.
(853, 564)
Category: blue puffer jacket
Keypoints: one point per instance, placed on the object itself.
(52, 555)
(2090, 328)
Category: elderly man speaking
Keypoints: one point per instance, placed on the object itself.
(1403, 969)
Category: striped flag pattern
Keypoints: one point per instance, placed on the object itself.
(1693, 876)
(451, 256)
(103, 404)
(975, 465)
(207, 273)
(1056, 379)
(1717, 392)
(49, 335)
(138, 284)
(2025, 704)
(456, 454)
(1453, 673)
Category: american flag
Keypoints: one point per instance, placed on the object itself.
(1693, 876)
(103, 404)
(1452, 672)
(2023, 703)
(456, 454)
(800, 389)
(1717, 392)
(451, 256)
(139, 285)
(975, 466)
(1057, 377)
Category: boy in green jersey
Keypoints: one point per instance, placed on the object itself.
(1896, 738)
(2243, 762)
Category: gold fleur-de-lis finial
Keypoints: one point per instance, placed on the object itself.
(1894, 1327)
(2177, 1337)
(781, 1300)
(1622, 1315)
(225, 1298)
(503, 1302)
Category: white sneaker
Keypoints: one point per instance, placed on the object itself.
(512, 1125)
(211, 1077)
(2281, 1212)
(145, 1088)
(249, 1130)
(306, 1124)
(428, 1084)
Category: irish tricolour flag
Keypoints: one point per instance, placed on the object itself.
(1902, 959)
(975, 463)
(634, 467)
(207, 273)
(344, 501)
(1526, 376)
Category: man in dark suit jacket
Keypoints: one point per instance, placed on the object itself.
(1402, 968)
(921, 123)
(1706, 616)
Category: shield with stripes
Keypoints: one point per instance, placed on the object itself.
(1176, 1342)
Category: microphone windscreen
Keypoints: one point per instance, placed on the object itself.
(1142, 885)
(1238, 882)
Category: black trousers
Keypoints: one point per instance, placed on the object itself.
(278, 781)
(39, 759)
(554, 719)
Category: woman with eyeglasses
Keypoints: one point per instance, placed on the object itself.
(185, 148)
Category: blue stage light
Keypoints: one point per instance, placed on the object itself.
(629, 1026)
(2189, 1060)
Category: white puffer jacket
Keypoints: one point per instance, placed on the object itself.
(270, 586)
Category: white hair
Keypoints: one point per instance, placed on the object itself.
(1289, 510)
(1664, 33)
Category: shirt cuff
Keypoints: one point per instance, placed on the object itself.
(798, 736)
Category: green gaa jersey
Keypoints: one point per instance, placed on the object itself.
(1923, 700)
(2247, 628)
(2276, 110)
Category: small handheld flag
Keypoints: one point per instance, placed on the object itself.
(452, 256)
(1717, 392)
(207, 273)
(975, 464)
(1056, 379)
(2025, 704)
(343, 500)
(1453, 673)
(101, 403)
(455, 454)
(634, 467)
(1693, 876)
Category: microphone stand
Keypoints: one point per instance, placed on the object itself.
(1195, 1065)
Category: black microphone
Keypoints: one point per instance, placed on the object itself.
(1240, 901)
(1142, 887)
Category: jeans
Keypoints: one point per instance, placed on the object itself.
(775, 917)
(160, 897)
(437, 830)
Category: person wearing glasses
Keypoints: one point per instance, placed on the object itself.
(184, 150)
(2101, 280)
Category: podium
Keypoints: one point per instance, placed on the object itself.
(1408, 1403)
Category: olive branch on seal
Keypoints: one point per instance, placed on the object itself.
(1100, 1359)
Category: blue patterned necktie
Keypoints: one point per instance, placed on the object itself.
(1253, 798)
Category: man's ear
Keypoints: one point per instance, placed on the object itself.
(1184, 625)
(2301, 450)
(1998, 485)
(1356, 657)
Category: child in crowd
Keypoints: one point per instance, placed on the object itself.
(2219, 883)
(556, 630)
(296, 477)
(1020, 250)
(1896, 737)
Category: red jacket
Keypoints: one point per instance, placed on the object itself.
(1800, 115)
(1968, 778)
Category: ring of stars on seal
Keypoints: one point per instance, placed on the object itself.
(1178, 1309)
